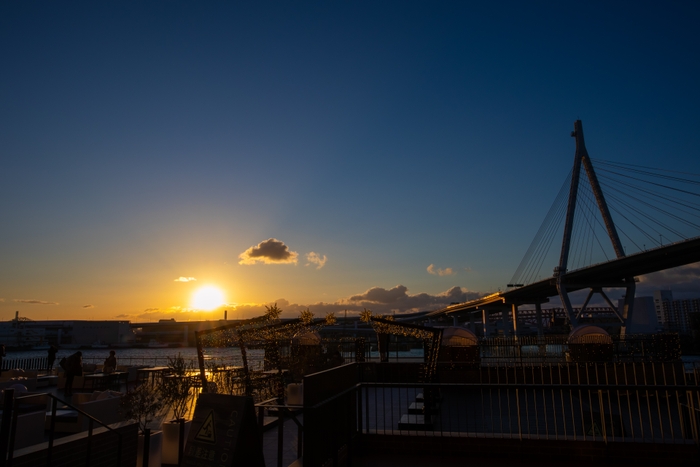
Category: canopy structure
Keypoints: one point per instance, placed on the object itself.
(307, 338)
(458, 337)
(589, 334)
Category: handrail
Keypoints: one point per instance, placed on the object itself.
(281, 410)
(54, 406)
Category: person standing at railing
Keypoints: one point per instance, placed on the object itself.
(110, 365)
(50, 359)
(73, 367)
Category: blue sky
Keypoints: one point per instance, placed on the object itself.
(144, 142)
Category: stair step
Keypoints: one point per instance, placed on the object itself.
(416, 408)
(415, 422)
(420, 398)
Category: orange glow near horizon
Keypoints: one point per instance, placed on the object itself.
(208, 298)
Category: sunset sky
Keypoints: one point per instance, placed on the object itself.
(393, 155)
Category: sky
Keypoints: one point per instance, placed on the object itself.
(392, 155)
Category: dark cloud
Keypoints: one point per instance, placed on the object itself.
(397, 298)
(271, 251)
(35, 302)
(382, 295)
(683, 281)
(384, 301)
(88, 306)
(379, 300)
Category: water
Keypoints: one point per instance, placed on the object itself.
(230, 356)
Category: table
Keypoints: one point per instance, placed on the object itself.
(150, 374)
(104, 381)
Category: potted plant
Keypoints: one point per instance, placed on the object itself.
(177, 392)
(144, 404)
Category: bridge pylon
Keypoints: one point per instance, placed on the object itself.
(581, 158)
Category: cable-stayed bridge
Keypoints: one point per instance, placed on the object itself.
(641, 205)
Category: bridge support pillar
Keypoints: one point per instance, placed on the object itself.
(628, 303)
(538, 317)
(485, 321)
(566, 303)
(514, 313)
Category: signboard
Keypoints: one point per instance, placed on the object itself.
(224, 433)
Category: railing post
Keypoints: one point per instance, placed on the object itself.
(602, 416)
(119, 449)
(13, 433)
(6, 421)
(146, 447)
(693, 417)
(280, 435)
(300, 441)
(517, 400)
(89, 443)
(359, 408)
(54, 403)
(181, 442)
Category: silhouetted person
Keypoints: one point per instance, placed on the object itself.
(74, 367)
(51, 358)
(337, 359)
(2, 355)
(111, 363)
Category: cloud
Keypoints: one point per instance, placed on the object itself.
(315, 258)
(88, 306)
(185, 279)
(271, 251)
(683, 281)
(380, 300)
(440, 272)
(34, 302)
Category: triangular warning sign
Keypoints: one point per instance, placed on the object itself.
(594, 430)
(206, 432)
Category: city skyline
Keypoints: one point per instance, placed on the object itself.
(394, 156)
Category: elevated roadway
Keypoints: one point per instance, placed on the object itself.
(608, 274)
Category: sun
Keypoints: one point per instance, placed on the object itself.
(207, 298)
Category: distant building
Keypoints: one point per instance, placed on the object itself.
(24, 333)
(643, 319)
(675, 315)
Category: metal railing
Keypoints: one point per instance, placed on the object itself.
(8, 430)
(573, 412)
(653, 403)
(283, 411)
(33, 363)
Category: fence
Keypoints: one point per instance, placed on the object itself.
(574, 412)
(557, 349)
(101, 446)
(633, 409)
(34, 363)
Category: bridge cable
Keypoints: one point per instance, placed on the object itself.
(658, 209)
(633, 167)
(528, 263)
(647, 193)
